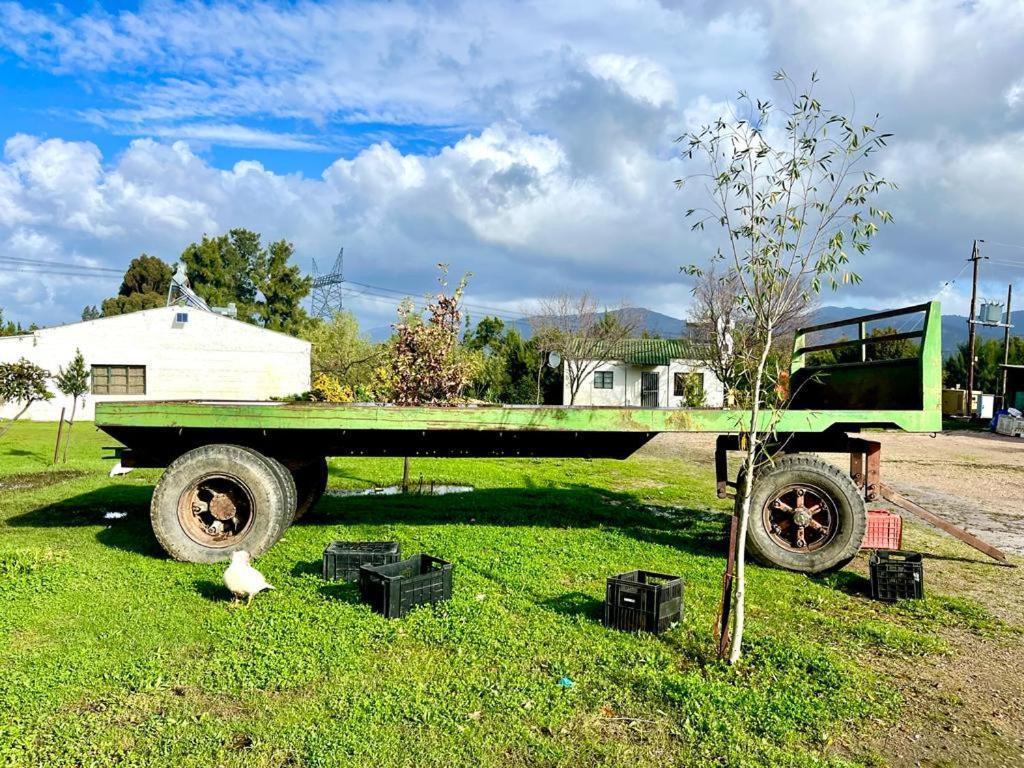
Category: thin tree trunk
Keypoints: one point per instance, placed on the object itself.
(540, 369)
(405, 475)
(67, 440)
(3, 430)
(753, 439)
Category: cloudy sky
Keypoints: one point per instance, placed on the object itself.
(528, 143)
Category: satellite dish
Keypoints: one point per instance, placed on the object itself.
(554, 360)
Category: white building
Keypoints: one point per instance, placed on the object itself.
(169, 353)
(650, 373)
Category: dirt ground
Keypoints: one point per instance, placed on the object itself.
(962, 707)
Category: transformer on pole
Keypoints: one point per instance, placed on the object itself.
(328, 294)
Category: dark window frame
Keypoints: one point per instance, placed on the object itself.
(604, 379)
(117, 379)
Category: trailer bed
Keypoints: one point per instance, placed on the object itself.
(239, 473)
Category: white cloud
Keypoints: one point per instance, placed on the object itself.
(234, 135)
(638, 76)
(1015, 94)
(559, 174)
(505, 204)
(392, 63)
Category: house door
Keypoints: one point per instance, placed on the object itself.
(649, 389)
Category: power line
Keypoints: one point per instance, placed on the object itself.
(390, 300)
(468, 304)
(57, 272)
(912, 319)
(59, 264)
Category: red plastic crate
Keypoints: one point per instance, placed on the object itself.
(885, 530)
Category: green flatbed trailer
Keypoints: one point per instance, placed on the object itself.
(237, 474)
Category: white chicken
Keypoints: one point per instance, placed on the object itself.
(242, 580)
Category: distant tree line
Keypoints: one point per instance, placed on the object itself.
(881, 350)
(11, 328)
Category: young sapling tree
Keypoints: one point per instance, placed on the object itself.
(73, 381)
(789, 189)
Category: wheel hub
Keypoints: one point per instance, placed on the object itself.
(222, 506)
(800, 518)
(216, 510)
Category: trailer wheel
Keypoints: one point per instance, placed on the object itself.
(310, 483)
(805, 515)
(284, 478)
(218, 499)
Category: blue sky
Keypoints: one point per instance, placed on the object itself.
(530, 143)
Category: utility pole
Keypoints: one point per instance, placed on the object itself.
(975, 257)
(1006, 341)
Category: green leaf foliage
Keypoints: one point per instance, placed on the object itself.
(74, 380)
(341, 350)
(145, 286)
(236, 268)
(22, 383)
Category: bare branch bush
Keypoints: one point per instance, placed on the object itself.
(727, 344)
(426, 357)
(581, 333)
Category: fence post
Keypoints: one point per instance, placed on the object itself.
(60, 428)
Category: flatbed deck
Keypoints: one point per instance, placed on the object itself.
(517, 418)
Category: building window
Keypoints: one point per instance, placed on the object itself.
(181, 317)
(604, 379)
(119, 379)
(680, 380)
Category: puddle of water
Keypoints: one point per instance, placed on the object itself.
(396, 490)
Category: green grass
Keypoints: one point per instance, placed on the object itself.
(111, 653)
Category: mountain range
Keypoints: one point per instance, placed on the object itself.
(954, 327)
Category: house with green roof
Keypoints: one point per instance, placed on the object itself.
(648, 373)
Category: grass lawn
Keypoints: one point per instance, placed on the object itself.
(112, 654)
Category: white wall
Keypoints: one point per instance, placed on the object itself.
(626, 389)
(616, 396)
(209, 357)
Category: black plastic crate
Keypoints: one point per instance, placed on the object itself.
(342, 559)
(643, 601)
(394, 589)
(896, 575)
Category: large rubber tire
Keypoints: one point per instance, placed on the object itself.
(284, 477)
(841, 492)
(310, 483)
(247, 470)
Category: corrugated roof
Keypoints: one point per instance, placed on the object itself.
(653, 351)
